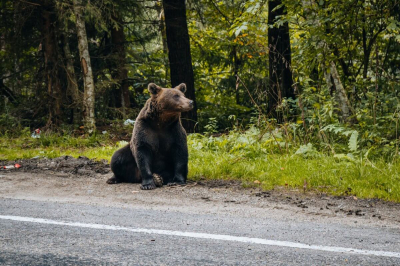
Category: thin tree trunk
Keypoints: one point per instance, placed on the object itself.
(280, 74)
(160, 11)
(367, 47)
(88, 97)
(5, 91)
(51, 68)
(376, 81)
(333, 78)
(340, 95)
(73, 88)
(118, 49)
(180, 59)
(236, 63)
(366, 52)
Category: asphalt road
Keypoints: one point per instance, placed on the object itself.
(54, 219)
(53, 233)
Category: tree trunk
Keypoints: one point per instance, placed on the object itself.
(5, 91)
(340, 95)
(118, 51)
(88, 97)
(180, 60)
(365, 49)
(163, 32)
(235, 79)
(280, 74)
(73, 89)
(51, 68)
(333, 78)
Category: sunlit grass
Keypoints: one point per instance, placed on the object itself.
(97, 153)
(325, 174)
(51, 146)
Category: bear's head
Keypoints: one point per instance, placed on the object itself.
(170, 100)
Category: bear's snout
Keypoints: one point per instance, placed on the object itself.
(188, 106)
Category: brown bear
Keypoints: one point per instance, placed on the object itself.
(157, 153)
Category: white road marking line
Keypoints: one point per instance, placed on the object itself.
(206, 236)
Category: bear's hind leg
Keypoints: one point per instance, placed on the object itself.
(124, 167)
(113, 180)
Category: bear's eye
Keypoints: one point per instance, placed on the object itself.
(176, 96)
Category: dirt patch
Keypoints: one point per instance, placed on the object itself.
(220, 183)
(64, 165)
(344, 206)
(314, 203)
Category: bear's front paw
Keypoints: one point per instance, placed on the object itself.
(148, 186)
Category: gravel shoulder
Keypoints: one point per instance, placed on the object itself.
(81, 180)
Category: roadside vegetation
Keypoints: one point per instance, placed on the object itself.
(259, 157)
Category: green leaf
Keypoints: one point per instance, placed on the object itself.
(353, 143)
(241, 28)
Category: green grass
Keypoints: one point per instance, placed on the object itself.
(51, 146)
(324, 174)
(243, 157)
(255, 161)
(97, 153)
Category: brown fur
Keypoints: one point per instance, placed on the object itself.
(158, 144)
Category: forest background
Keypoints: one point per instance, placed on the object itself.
(291, 94)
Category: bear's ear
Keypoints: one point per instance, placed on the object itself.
(181, 87)
(153, 88)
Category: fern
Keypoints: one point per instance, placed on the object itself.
(339, 130)
(353, 141)
(307, 151)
